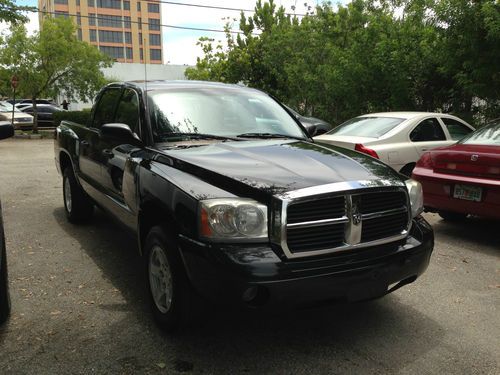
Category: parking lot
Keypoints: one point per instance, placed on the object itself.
(79, 302)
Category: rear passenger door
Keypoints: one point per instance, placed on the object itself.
(428, 134)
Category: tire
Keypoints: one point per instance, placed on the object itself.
(77, 205)
(4, 286)
(452, 216)
(170, 295)
(407, 169)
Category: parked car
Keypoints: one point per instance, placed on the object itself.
(30, 101)
(314, 126)
(464, 178)
(6, 131)
(45, 113)
(239, 205)
(21, 119)
(398, 138)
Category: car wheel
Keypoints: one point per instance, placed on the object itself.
(169, 291)
(452, 216)
(407, 169)
(4, 286)
(77, 204)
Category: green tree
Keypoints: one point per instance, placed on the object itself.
(10, 12)
(53, 61)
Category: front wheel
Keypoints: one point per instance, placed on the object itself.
(77, 205)
(169, 290)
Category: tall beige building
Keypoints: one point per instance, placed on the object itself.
(127, 31)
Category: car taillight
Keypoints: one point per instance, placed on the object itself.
(426, 161)
(365, 150)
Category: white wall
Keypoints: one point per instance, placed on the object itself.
(133, 72)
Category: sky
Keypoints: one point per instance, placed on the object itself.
(179, 46)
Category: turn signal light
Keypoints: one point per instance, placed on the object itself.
(365, 150)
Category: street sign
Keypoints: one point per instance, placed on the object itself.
(14, 81)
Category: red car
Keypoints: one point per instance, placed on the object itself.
(463, 178)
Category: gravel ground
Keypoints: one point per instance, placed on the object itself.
(79, 305)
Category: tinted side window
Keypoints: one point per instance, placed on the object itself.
(105, 109)
(128, 110)
(457, 129)
(428, 130)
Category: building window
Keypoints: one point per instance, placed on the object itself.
(154, 24)
(141, 53)
(140, 39)
(138, 5)
(64, 2)
(114, 21)
(77, 2)
(78, 18)
(91, 19)
(61, 14)
(139, 21)
(93, 35)
(128, 50)
(112, 4)
(106, 36)
(128, 37)
(91, 3)
(113, 52)
(153, 8)
(155, 54)
(154, 39)
(80, 37)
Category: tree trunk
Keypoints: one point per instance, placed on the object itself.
(35, 116)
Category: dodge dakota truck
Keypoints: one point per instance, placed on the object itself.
(231, 201)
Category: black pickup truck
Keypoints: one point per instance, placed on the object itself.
(231, 200)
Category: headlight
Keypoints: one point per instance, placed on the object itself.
(416, 197)
(233, 219)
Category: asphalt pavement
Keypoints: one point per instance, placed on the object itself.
(79, 303)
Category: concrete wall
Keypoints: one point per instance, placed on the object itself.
(133, 72)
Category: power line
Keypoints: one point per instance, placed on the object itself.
(217, 7)
(101, 17)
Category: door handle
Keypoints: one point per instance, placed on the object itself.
(107, 153)
(84, 143)
(424, 149)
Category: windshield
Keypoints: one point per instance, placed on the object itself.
(226, 112)
(372, 127)
(488, 136)
(7, 107)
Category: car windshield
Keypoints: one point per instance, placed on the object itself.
(224, 112)
(7, 107)
(372, 127)
(488, 136)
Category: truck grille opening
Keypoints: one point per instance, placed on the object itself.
(321, 223)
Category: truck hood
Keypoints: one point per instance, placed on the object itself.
(274, 166)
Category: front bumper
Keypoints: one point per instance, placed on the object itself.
(260, 276)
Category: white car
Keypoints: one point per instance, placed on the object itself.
(21, 119)
(397, 138)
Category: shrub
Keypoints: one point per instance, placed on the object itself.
(80, 117)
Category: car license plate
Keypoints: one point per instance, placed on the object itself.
(467, 192)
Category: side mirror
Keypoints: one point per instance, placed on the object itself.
(118, 130)
(6, 130)
(311, 130)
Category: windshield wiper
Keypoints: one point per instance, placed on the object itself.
(269, 135)
(174, 136)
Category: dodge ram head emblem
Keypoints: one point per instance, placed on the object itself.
(474, 157)
(356, 215)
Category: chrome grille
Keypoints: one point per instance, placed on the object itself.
(340, 222)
